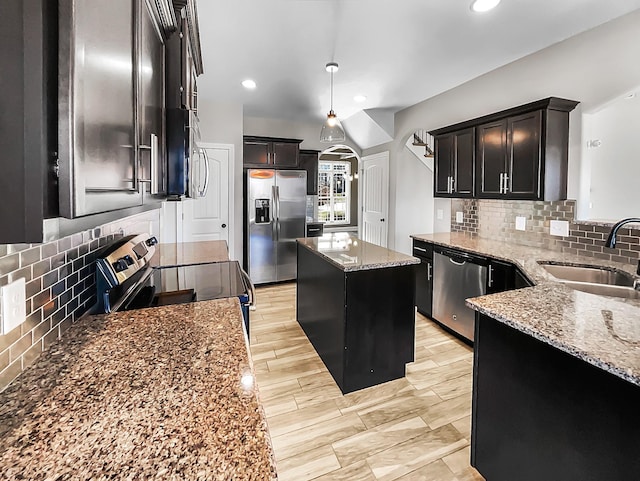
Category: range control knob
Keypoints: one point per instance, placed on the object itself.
(151, 241)
(123, 263)
(120, 265)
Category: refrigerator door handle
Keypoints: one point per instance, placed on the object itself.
(274, 215)
(277, 212)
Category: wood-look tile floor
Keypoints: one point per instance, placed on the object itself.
(411, 429)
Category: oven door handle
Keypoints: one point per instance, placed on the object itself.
(250, 288)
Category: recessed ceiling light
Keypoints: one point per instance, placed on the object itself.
(249, 84)
(484, 5)
(360, 98)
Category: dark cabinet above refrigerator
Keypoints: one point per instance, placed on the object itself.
(271, 152)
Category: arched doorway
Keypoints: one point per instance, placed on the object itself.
(336, 204)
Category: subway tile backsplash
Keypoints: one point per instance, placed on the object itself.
(60, 287)
(495, 219)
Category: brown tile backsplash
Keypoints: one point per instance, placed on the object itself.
(495, 219)
(60, 287)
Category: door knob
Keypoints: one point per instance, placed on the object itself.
(224, 226)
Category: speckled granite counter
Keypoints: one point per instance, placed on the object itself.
(603, 331)
(352, 254)
(174, 254)
(153, 393)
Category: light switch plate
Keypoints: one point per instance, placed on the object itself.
(521, 223)
(440, 214)
(13, 305)
(459, 217)
(559, 228)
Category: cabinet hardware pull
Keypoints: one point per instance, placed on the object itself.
(490, 283)
(420, 249)
(153, 164)
(506, 183)
(452, 185)
(429, 271)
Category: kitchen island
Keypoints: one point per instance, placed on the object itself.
(162, 393)
(556, 373)
(355, 303)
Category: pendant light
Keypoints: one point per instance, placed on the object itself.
(332, 130)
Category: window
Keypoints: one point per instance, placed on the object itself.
(334, 192)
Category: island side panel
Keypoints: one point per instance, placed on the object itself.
(380, 333)
(539, 413)
(320, 301)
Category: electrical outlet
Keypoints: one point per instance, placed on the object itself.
(521, 223)
(13, 305)
(459, 217)
(559, 228)
(440, 214)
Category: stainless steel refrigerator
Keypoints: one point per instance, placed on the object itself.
(276, 217)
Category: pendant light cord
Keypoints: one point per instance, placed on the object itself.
(331, 90)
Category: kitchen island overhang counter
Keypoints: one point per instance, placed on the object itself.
(356, 303)
(161, 393)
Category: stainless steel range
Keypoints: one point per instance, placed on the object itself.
(125, 280)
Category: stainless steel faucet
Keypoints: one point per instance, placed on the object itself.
(611, 240)
(611, 243)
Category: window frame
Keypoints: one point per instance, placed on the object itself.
(332, 195)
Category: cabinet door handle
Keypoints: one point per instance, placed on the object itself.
(501, 183)
(420, 249)
(452, 185)
(506, 183)
(490, 281)
(429, 271)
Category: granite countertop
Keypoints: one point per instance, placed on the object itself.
(350, 253)
(173, 254)
(162, 393)
(603, 331)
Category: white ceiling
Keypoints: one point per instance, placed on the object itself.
(397, 53)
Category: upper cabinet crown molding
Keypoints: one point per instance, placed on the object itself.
(165, 14)
(550, 103)
(191, 15)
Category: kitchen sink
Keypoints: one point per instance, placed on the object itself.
(592, 275)
(595, 280)
(604, 289)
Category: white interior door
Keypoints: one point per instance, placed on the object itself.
(375, 198)
(207, 218)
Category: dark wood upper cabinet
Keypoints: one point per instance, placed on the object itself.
(309, 162)
(492, 149)
(521, 153)
(454, 164)
(28, 118)
(271, 152)
(285, 154)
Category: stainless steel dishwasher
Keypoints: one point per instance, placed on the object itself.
(457, 276)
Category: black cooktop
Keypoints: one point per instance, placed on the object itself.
(177, 285)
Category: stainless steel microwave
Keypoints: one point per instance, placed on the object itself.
(188, 164)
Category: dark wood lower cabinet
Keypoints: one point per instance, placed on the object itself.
(361, 323)
(540, 413)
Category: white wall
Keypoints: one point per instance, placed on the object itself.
(413, 214)
(617, 127)
(593, 67)
(222, 123)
